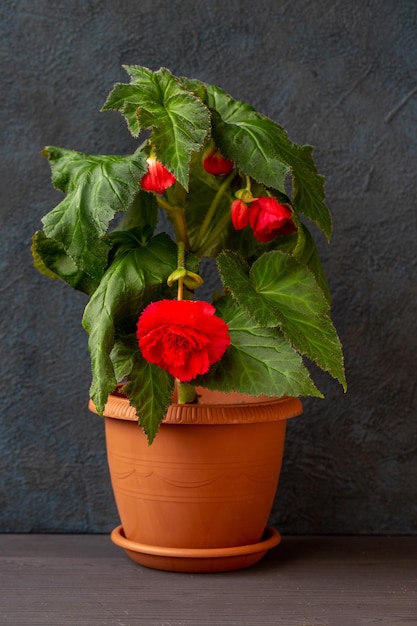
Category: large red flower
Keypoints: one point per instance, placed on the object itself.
(157, 178)
(183, 337)
(268, 219)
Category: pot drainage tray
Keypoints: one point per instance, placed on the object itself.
(195, 559)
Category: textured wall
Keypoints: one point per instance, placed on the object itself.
(339, 75)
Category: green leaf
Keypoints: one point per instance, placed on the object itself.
(124, 355)
(142, 213)
(277, 291)
(178, 120)
(306, 253)
(51, 260)
(40, 249)
(258, 361)
(96, 187)
(128, 285)
(149, 388)
(302, 246)
(261, 148)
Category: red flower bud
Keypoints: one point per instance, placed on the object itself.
(183, 337)
(157, 178)
(215, 163)
(240, 214)
(269, 219)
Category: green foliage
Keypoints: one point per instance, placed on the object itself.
(179, 121)
(277, 291)
(276, 300)
(96, 188)
(136, 276)
(261, 148)
(149, 388)
(142, 214)
(259, 361)
(51, 260)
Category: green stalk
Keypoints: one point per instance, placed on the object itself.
(186, 392)
(212, 210)
(177, 216)
(215, 233)
(181, 263)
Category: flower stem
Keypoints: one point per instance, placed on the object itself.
(202, 233)
(180, 289)
(180, 262)
(186, 393)
(216, 232)
(177, 217)
(181, 254)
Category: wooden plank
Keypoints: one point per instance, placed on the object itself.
(60, 580)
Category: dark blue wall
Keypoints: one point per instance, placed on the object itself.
(339, 75)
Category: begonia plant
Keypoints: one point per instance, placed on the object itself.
(233, 188)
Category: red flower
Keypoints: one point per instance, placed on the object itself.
(268, 219)
(239, 214)
(183, 337)
(157, 178)
(215, 163)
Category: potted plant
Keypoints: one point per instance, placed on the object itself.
(232, 187)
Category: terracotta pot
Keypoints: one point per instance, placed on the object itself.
(198, 498)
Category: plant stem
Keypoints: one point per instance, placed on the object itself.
(202, 233)
(180, 288)
(180, 263)
(177, 216)
(216, 232)
(186, 393)
(181, 254)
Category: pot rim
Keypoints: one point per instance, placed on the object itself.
(214, 408)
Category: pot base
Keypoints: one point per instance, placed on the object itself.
(196, 560)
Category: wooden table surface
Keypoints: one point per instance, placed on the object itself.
(65, 580)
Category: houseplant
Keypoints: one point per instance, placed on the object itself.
(232, 188)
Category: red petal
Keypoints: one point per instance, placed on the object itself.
(269, 219)
(157, 178)
(183, 337)
(215, 163)
(239, 214)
